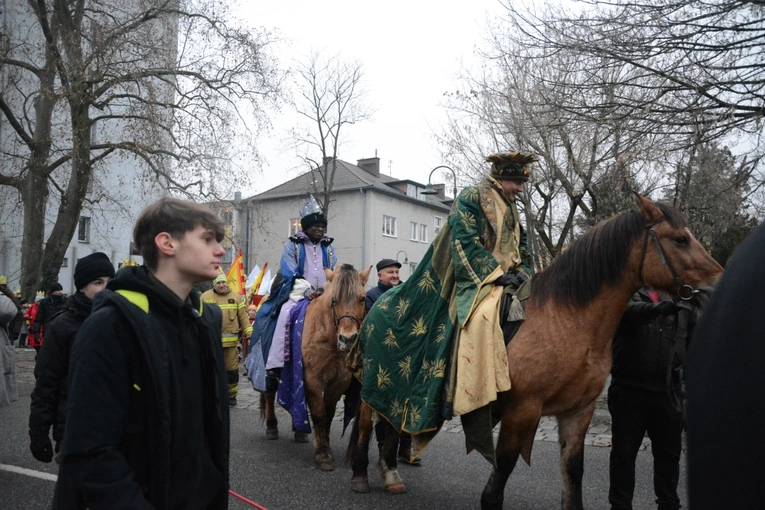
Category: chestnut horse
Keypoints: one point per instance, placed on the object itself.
(561, 356)
(331, 326)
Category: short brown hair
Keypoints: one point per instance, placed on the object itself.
(174, 216)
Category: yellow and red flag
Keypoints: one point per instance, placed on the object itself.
(236, 277)
(256, 284)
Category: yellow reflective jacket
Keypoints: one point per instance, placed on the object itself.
(234, 314)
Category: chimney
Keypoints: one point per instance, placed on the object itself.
(370, 165)
(441, 190)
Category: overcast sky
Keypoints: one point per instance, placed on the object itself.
(411, 51)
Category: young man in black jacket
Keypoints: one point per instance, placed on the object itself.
(48, 407)
(148, 418)
(645, 394)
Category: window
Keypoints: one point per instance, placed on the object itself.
(411, 190)
(389, 226)
(227, 217)
(412, 231)
(423, 233)
(228, 257)
(436, 224)
(412, 267)
(83, 230)
(65, 262)
(294, 226)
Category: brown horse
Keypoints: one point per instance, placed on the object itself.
(561, 356)
(331, 325)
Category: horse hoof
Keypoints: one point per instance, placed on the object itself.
(360, 485)
(396, 488)
(326, 466)
(272, 433)
(301, 437)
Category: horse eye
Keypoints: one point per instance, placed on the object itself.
(682, 240)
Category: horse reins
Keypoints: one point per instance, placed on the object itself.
(684, 291)
(346, 316)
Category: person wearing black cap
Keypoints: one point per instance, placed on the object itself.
(47, 308)
(49, 398)
(387, 278)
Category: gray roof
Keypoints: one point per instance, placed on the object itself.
(348, 177)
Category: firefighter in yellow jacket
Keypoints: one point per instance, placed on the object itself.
(235, 319)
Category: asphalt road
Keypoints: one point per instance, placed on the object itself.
(281, 474)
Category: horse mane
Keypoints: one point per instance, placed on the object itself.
(596, 259)
(345, 284)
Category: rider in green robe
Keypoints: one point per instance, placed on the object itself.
(415, 332)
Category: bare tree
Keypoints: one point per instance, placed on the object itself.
(175, 85)
(331, 97)
(706, 57)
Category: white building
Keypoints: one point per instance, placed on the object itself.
(118, 188)
(372, 216)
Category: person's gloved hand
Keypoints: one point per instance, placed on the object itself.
(514, 279)
(41, 447)
(664, 308)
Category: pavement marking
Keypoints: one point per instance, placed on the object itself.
(28, 472)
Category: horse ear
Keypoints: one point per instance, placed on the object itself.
(364, 275)
(651, 213)
(330, 274)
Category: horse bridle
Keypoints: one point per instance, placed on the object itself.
(684, 291)
(346, 316)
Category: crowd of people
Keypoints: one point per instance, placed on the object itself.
(135, 367)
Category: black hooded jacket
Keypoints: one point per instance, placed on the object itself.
(148, 418)
(52, 368)
(46, 310)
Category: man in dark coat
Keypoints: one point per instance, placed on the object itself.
(147, 421)
(48, 307)
(645, 394)
(49, 397)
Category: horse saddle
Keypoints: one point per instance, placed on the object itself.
(512, 311)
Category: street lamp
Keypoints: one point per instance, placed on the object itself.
(406, 257)
(429, 190)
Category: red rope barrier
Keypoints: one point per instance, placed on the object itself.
(251, 503)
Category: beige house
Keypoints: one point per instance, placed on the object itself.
(372, 216)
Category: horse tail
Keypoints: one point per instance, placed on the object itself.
(353, 442)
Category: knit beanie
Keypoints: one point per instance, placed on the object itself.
(54, 287)
(91, 268)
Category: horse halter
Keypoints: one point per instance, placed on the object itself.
(684, 291)
(346, 316)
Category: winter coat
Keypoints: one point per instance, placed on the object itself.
(148, 417)
(649, 351)
(49, 397)
(47, 309)
(34, 339)
(9, 391)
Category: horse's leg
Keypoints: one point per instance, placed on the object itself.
(516, 436)
(314, 396)
(358, 449)
(268, 411)
(389, 462)
(571, 432)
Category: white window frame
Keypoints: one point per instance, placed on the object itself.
(412, 230)
(389, 226)
(412, 190)
(227, 217)
(294, 226)
(227, 257)
(412, 267)
(422, 234)
(437, 223)
(83, 229)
